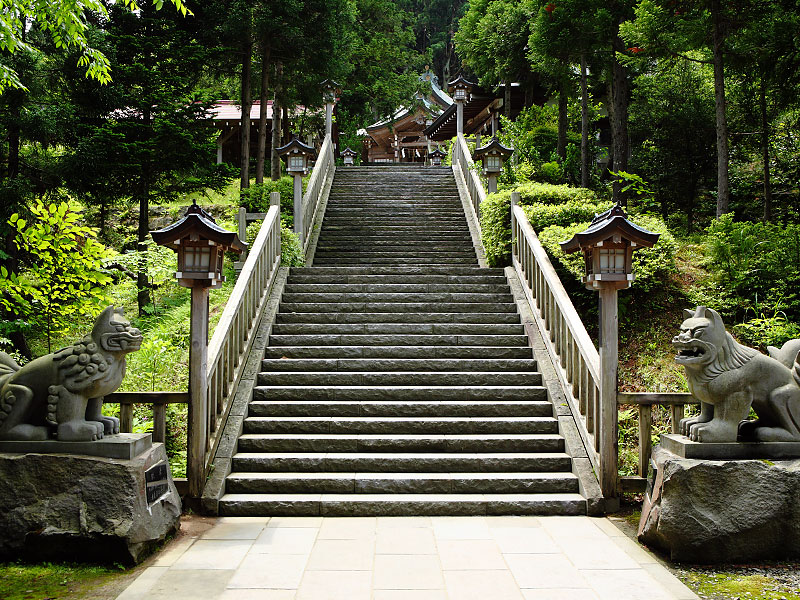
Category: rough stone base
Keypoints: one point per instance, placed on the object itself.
(719, 511)
(82, 508)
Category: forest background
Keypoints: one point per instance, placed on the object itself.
(685, 111)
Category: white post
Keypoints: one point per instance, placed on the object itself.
(495, 118)
(492, 183)
(298, 206)
(609, 359)
(460, 116)
(329, 119)
(198, 391)
(219, 149)
(275, 199)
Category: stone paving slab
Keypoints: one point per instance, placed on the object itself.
(407, 558)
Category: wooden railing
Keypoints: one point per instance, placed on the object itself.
(645, 401)
(462, 160)
(574, 354)
(232, 339)
(321, 176)
(159, 400)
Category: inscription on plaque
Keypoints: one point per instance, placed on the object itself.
(155, 479)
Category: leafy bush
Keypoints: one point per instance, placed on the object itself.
(496, 213)
(756, 267)
(256, 197)
(767, 331)
(574, 211)
(550, 172)
(291, 249)
(651, 266)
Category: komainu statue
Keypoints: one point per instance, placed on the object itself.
(63, 392)
(729, 379)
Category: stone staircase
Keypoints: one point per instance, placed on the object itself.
(398, 379)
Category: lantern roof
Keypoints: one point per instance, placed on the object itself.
(612, 222)
(199, 222)
(295, 146)
(330, 84)
(437, 153)
(494, 147)
(460, 82)
(348, 152)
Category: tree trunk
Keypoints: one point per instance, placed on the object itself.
(507, 99)
(619, 120)
(765, 150)
(276, 126)
(718, 37)
(584, 125)
(287, 134)
(247, 103)
(262, 113)
(561, 148)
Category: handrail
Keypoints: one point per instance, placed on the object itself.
(323, 171)
(574, 354)
(234, 335)
(462, 159)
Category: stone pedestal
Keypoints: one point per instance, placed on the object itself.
(717, 511)
(86, 508)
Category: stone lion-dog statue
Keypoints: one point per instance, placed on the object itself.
(729, 379)
(63, 392)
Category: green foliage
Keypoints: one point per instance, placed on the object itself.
(291, 249)
(652, 267)
(160, 264)
(550, 172)
(21, 581)
(496, 213)
(756, 267)
(767, 331)
(64, 278)
(572, 211)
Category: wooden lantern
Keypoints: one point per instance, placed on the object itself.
(493, 155)
(297, 154)
(348, 156)
(608, 245)
(461, 89)
(200, 244)
(436, 157)
(330, 91)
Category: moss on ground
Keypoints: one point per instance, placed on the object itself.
(722, 585)
(20, 581)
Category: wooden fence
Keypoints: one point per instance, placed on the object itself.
(462, 160)
(321, 176)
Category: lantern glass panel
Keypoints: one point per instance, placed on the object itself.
(493, 163)
(612, 260)
(197, 259)
(461, 94)
(348, 160)
(296, 163)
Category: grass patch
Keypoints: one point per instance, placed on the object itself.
(20, 581)
(728, 586)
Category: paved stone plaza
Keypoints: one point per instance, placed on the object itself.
(407, 558)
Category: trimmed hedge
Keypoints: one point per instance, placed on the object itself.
(651, 266)
(496, 213)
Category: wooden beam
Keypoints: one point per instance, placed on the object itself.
(669, 399)
(126, 398)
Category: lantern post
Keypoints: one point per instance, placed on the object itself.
(607, 246)
(200, 244)
(461, 90)
(297, 154)
(330, 93)
(493, 155)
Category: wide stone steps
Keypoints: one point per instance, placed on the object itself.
(401, 425)
(397, 377)
(404, 483)
(402, 504)
(403, 408)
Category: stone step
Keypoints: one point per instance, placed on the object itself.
(409, 408)
(397, 307)
(323, 261)
(401, 425)
(398, 352)
(382, 378)
(322, 278)
(401, 504)
(402, 483)
(398, 270)
(439, 392)
(404, 297)
(401, 443)
(372, 254)
(397, 364)
(378, 462)
(398, 328)
(407, 318)
(410, 249)
(397, 340)
(396, 288)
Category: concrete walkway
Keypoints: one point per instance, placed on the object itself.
(407, 558)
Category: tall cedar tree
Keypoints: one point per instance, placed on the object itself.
(146, 135)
